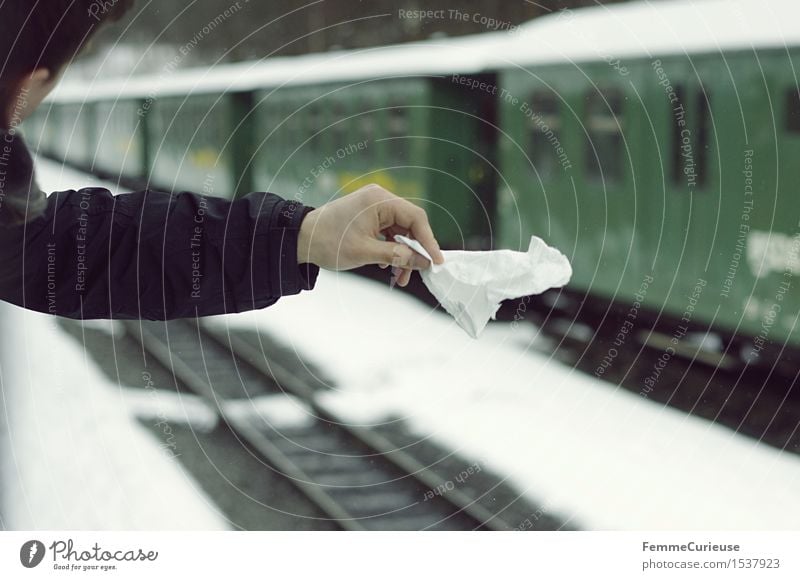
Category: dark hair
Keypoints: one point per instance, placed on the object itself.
(47, 34)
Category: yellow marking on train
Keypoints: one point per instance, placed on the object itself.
(350, 182)
(205, 158)
(127, 145)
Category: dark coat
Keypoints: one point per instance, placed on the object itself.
(88, 254)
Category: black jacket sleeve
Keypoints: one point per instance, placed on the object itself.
(88, 254)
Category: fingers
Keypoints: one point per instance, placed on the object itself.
(404, 278)
(408, 259)
(401, 277)
(424, 235)
(396, 255)
(415, 220)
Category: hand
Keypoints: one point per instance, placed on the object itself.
(358, 229)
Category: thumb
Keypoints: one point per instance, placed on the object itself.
(398, 255)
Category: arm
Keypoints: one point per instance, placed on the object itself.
(87, 254)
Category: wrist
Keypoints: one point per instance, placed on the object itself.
(304, 236)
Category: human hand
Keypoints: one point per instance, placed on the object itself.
(359, 229)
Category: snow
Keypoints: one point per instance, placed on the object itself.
(412, 59)
(586, 450)
(75, 457)
(172, 408)
(73, 454)
(52, 176)
(281, 411)
(637, 29)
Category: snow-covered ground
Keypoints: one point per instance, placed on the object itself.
(585, 450)
(73, 455)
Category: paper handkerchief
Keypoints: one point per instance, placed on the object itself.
(471, 285)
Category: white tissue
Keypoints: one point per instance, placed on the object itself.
(471, 285)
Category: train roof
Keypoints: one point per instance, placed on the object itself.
(644, 29)
(654, 28)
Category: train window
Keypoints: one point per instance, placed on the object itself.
(793, 110)
(604, 149)
(545, 134)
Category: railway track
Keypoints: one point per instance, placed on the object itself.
(358, 477)
(760, 401)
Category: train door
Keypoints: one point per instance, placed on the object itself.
(459, 155)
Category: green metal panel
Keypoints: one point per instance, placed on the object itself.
(707, 226)
(679, 211)
(533, 201)
(765, 289)
(666, 225)
(456, 163)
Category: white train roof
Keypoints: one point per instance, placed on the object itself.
(653, 28)
(648, 28)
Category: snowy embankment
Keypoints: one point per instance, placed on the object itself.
(73, 454)
(606, 457)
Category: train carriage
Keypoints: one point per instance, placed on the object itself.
(309, 128)
(660, 159)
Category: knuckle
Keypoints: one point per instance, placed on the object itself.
(420, 214)
(374, 193)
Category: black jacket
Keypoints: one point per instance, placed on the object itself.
(88, 254)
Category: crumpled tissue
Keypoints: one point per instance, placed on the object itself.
(471, 285)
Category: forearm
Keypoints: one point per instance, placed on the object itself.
(152, 255)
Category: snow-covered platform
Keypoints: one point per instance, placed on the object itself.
(598, 456)
(73, 454)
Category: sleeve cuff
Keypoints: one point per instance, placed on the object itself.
(292, 278)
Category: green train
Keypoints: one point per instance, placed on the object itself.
(655, 144)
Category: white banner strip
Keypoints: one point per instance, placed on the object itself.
(352, 556)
